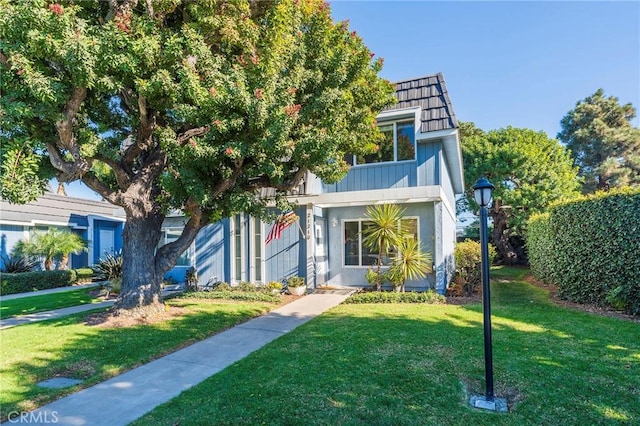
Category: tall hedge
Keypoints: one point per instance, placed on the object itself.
(590, 249)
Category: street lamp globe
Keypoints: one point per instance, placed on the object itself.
(482, 190)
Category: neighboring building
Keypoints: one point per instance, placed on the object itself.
(97, 222)
(419, 168)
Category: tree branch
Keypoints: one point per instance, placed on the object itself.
(65, 125)
(191, 133)
(3, 58)
(122, 177)
(265, 182)
(68, 171)
(107, 193)
(167, 255)
(144, 138)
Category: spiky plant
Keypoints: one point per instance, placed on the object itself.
(411, 263)
(109, 266)
(383, 231)
(18, 264)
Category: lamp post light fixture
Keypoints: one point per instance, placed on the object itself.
(482, 193)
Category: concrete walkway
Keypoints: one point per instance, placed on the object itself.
(47, 315)
(122, 399)
(50, 291)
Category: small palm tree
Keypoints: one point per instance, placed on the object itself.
(410, 263)
(383, 232)
(52, 244)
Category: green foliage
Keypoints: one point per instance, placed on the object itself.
(382, 232)
(468, 257)
(191, 279)
(247, 296)
(54, 244)
(530, 171)
(429, 297)
(410, 262)
(246, 286)
(296, 282)
(589, 249)
(182, 105)
(603, 143)
(109, 267)
(274, 285)
(37, 280)
(84, 274)
(17, 264)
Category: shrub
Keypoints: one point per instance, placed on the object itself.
(430, 297)
(37, 280)
(246, 286)
(468, 259)
(84, 274)
(296, 282)
(17, 264)
(589, 248)
(234, 295)
(221, 286)
(191, 279)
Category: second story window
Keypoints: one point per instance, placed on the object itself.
(399, 144)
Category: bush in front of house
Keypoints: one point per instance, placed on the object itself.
(37, 280)
(17, 264)
(245, 296)
(430, 297)
(589, 248)
(468, 258)
(84, 275)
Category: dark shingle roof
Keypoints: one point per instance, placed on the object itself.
(430, 93)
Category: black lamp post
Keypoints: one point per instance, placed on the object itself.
(482, 194)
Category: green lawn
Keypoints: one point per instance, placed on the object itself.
(46, 302)
(71, 348)
(416, 364)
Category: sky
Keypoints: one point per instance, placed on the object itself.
(505, 63)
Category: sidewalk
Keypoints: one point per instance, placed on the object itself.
(122, 399)
(50, 291)
(47, 315)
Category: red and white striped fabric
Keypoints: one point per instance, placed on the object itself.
(282, 222)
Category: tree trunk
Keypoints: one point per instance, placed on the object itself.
(141, 292)
(64, 262)
(48, 263)
(500, 237)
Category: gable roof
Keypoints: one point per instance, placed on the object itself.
(430, 94)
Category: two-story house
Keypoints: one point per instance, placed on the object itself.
(418, 166)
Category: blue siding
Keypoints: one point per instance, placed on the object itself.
(117, 239)
(210, 252)
(286, 257)
(428, 163)
(447, 186)
(376, 176)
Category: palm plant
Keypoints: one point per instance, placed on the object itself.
(17, 264)
(410, 263)
(54, 243)
(383, 231)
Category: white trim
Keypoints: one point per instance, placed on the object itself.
(438, 134)
(413, 194)
(394, 114)
(252, 250)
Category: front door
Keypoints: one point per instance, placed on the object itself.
(321, 251)
(106, 242)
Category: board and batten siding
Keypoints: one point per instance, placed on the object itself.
(376, 176)
(210, 252)
(286, 257)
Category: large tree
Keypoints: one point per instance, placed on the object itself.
(603, 142)
(190, 105)
(529, 170)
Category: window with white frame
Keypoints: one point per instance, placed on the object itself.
(398, 144)
(357, 254)
(169, 235)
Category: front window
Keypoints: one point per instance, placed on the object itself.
(169, 236)
(398, 144)
(357, 254)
